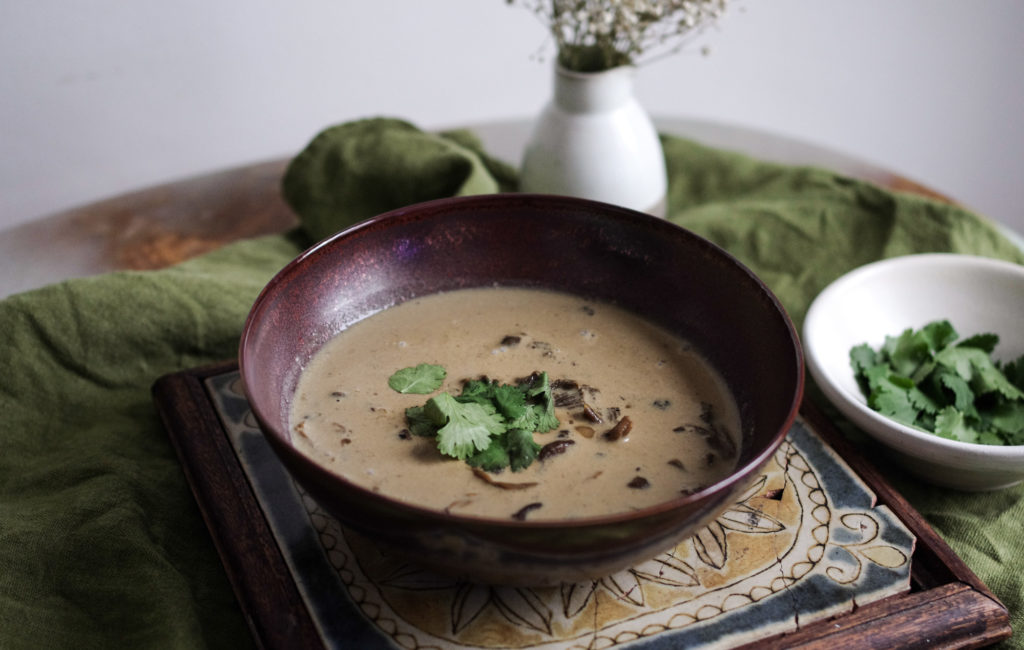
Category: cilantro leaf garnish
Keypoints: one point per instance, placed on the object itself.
(465, 428)
(926, 379)
(515, 448)
(1014, 372)
(1008, 418)
(493, 459)
(420, 423)
(522, 448)
(488, 425)
(510, 402)
(951, 423)
(421, 380)
(538, 387)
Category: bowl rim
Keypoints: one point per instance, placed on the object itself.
(430, 209)
(855, 406)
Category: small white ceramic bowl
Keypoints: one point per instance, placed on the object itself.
(884, 298)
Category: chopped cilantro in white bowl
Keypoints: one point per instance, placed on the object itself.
(925, 353)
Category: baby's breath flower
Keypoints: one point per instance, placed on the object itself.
(594, 35)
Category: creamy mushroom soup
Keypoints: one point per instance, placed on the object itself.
(642, 418)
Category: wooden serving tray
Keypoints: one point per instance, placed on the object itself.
(844, 559)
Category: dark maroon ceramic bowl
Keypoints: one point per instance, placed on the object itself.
(598, 251)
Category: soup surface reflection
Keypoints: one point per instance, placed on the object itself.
(642, 417)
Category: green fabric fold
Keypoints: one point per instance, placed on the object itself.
(359, 169)
(800, 228)
(101, 542)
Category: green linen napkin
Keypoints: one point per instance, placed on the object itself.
(101, 542)
(356, 170)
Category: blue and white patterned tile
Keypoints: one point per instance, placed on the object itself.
(806, 541)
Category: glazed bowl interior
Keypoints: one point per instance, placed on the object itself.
(593, 250)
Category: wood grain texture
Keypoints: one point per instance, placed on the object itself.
(269, 599)
(149, 229)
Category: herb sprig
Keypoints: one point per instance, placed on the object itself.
(421, 380)
(925, 378)
(489, 425)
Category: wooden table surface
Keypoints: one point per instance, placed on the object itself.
(159, 226)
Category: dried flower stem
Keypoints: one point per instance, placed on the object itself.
(595, 35)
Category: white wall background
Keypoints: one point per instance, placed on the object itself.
(98, 97)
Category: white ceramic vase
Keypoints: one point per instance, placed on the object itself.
(594, 140)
